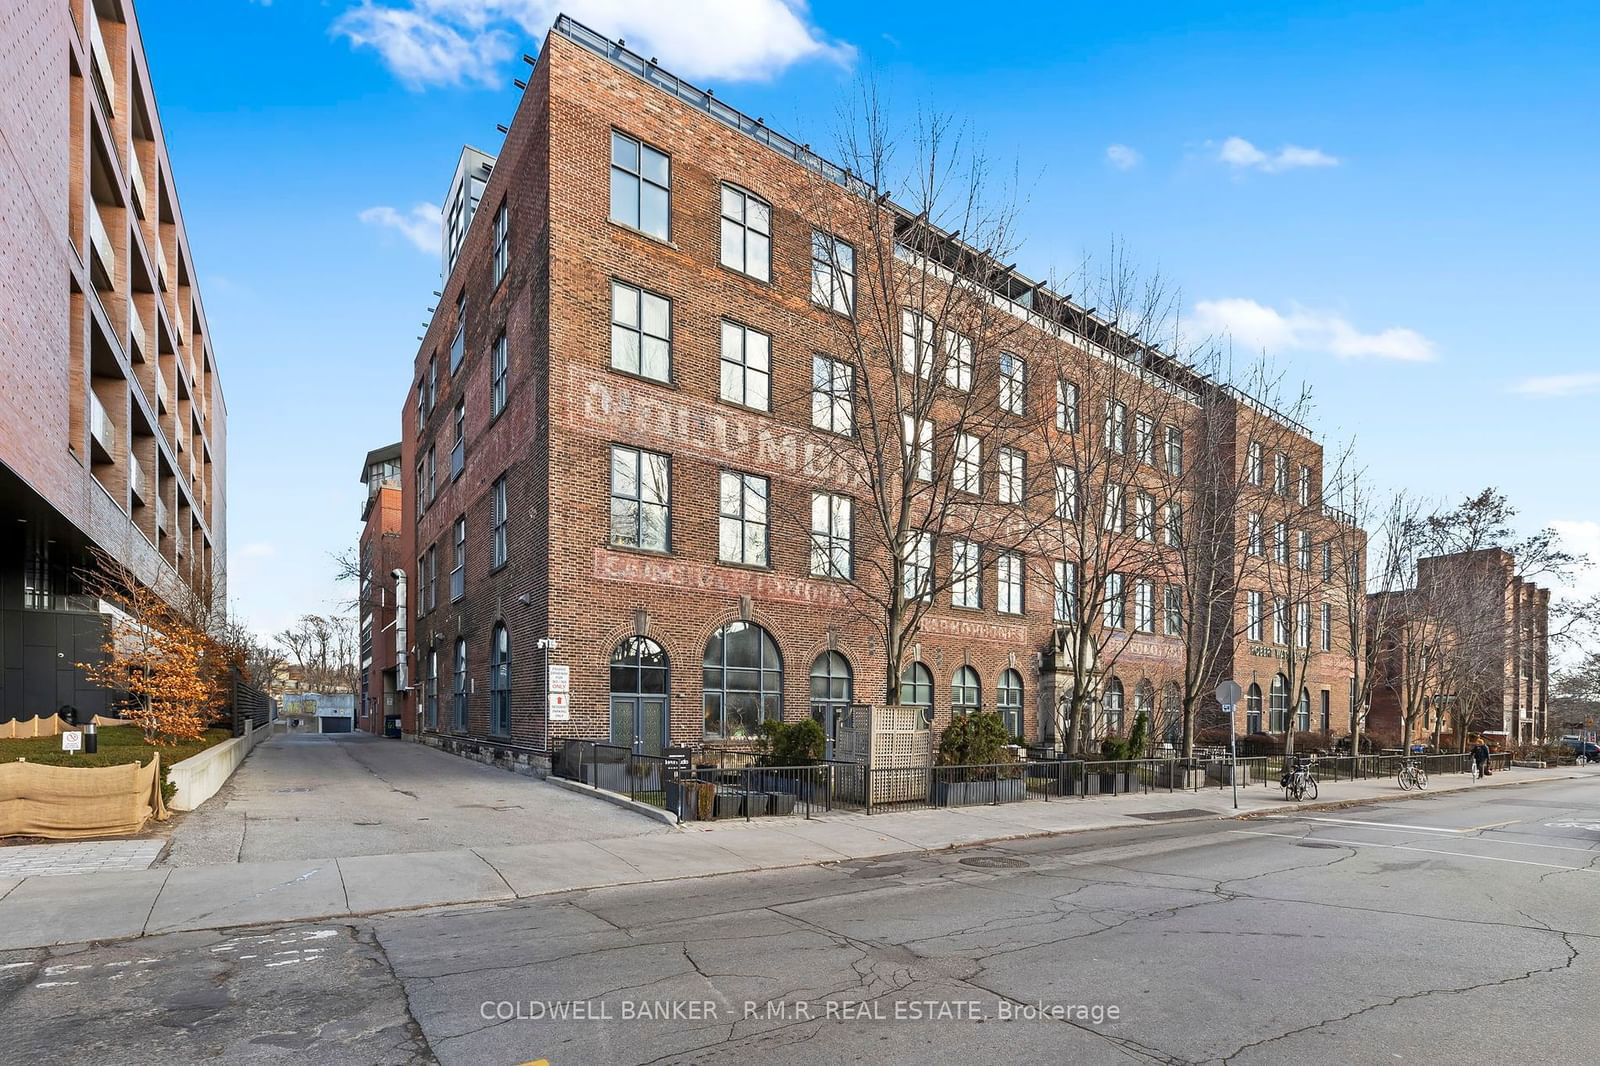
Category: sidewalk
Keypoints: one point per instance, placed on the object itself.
(39, 911)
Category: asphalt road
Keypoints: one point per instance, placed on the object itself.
(1458, 928)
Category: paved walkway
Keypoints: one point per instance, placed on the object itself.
(36, 911)
(78, 857)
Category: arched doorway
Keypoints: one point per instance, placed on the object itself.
(1302, 717)
(1252, 710)
(1280, 704)
(832, 689)
(916, 690)
(1113, 707)
(743, 681)
(1009, 701)
(639, 695)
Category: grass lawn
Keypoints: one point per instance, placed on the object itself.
(118, 744)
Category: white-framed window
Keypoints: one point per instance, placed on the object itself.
(832, 517)
(957, 360)
(498, 364)
(1253, 469)
(916, 575)
(1066, 598)
(1327, 561)
(1013, 475)
(1255, 610)
(458, 562)
(746, 366)
(1067, 492)
(1013, 383)
(1116, 427)
(1172, 614)
(1174, 456)
(1066, 405)
(916, 343)
(1116, 608)
(641, 332)
(498, 514)
(1327, 627)
(1280, 542)
(641, 495)
(832, 395)
(502, 243)
(1303, 550)
(1174, 524)
(1114, 520)
(1280, 620)
(1144, 516)
(458, 442)
(641, 182)
(1280, 474)
(966, 575)
(1305, 486)
(833, 273)
(458, 343)
(967, 472)
(1144, 439)
(1144, 605)
(746, 233)
(917, 443)
(742, 519)
(1008, 569)
(1255, 543)
(1302, 624)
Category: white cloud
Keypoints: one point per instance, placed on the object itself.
(1242, 155)
(1257, 326)
(1559, 385)
(1122, 157)
(1581, 538)
(420, 227)
(454, 42)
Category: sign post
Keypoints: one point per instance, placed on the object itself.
(72, 740)
(558, 692)
(1228, 695)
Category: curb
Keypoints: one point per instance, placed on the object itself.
(664, 817)
(1336, 805)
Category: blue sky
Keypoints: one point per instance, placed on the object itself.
(1395, 200)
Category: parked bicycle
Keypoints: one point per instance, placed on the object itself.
(1412, 776)
(1298, 781)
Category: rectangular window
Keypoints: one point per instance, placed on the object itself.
(916, 343)
(1144, 516)
(917, 447)
(1172, 615)
(1066, 406)
(833, 272)
(433, 382)
(967, 474)
(641, 332)
(958, 360)
(1008, 582)
(1116, 609)
(1304, 551)
(640, 499)
(1174, 524)
(1280, 542)
(746, 366)
(832, 395)
(742, 519)
(431, 586)
(1305, 486)
(1327, 630)
(966, 577)
(498, 514)
(422, 584)
(1116, 427)
(1013, 475)
(1066, 609)
(497, 377)
(1067, 492)
(1144, 605)
(746, 233)
(1280, 474)
(1174, 457)
(1254, 610)
(458, 567)
(502, 243)
(422, 500)
(1144, 439)
(641, 180)
(1013, 383)
(1280, 620)
(458, 445)
(422, 405)
(458, 342)
(916, 578)
(1302, 624)
(432, 471)
(1327, 562)
(831, 520)
(1255, 544)
(1115, 518)
(1253, 463)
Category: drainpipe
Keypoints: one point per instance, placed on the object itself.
(401, 679)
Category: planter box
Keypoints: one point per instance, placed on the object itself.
(780, 803)
(1174, 775)
(729, 804)
(813, 791)
(1222, 773)
(1531, 764)
(1097, 784)
(975, 793)
(683, 799)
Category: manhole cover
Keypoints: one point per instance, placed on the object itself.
(1318, 844)
(993, 862)
(295, 789)
(1167, 816)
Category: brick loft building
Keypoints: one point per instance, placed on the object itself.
(383, 700)
(114, 426)
(611, 443)
(1471, 641)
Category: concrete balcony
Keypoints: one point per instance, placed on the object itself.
(102, 254)
(136, 181)
(161, 515)
(105, 82)
(102, 432)
(138, 339)
(137, 481)
(161, 392)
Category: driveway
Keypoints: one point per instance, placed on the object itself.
(322, 796)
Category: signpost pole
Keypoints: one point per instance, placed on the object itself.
(1228, 696)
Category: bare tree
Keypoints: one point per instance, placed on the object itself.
(322, 648)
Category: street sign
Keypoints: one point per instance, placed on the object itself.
(559, 706)
(1228, 693)
(559, 679)
(72, 740)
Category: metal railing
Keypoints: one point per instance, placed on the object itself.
(641, 778)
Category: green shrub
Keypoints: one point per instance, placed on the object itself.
(799, 743)
(976, 739)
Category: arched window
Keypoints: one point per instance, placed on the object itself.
(832, 681)
(1009, 701)
(966, 692)
(1280, 704)
(459, 693)
(500, 681)
(639, 687)
(916, 690)
(1171, 714)
(1252, 709)
(743, 681)
(1144, 702)
(1113, 706)
(1302, 717)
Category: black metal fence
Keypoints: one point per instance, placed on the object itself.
(247, 704)
(642, 778)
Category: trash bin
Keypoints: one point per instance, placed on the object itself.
(391, 726)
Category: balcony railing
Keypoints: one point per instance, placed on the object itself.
(161, 392)
(105, 82)
(161, 515)
(136, 180)
(1344, 518)
(103, 255)
(102, 430)
(138, 340)
(136, 480)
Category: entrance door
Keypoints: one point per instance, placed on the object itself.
(831, 685)
(639, 696)
(639, 723)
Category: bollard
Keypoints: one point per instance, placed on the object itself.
(91, 738)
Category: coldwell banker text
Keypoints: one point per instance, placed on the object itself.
(914, 1010)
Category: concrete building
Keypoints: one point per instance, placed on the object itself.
(112, 420)
(535, 437)
(384, 702)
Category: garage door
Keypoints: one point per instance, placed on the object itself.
(336, 725)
